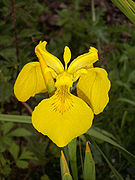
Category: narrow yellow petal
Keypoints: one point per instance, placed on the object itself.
(84, 60)
(93, 88)
(67, 56)
(51, 60)
(29, 82)
(62, 117)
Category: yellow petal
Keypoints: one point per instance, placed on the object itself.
(51, 60)
(29, 82)
(84, 60)
(62, 117)
(93, 88)
(67, 56)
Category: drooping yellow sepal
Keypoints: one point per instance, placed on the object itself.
(29, 82)
(93, 88)
(62, 117)
(84, 60)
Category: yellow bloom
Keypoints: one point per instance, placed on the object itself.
(64, 116)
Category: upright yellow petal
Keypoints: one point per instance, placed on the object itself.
(93, 88)
(84, 60)
(51, 60)
(62, 117)
(67, 56)
(29, 82)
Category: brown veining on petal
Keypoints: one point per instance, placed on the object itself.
(62, 100)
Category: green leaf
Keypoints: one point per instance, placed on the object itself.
(115, 172)
(8, 53)
(106, 133)
(2, 147)
(126, 86)
(14, 150)
(6, 140)
(2, 160)
(89, 165)
(29, 33)
(124, 119)
(22, 164)
(97, 134)
(72, 156)
(5, 39)
(20, 132)
(127, 101)
(6, 127)
(26, 154)
(15, 118)
(4, 166)
(127, 8)
(5, 91)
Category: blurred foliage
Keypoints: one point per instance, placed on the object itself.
(25, 154)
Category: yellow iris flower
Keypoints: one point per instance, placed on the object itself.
(64, 116)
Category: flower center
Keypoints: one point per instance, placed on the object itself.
(64, 79)
(62, 99)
